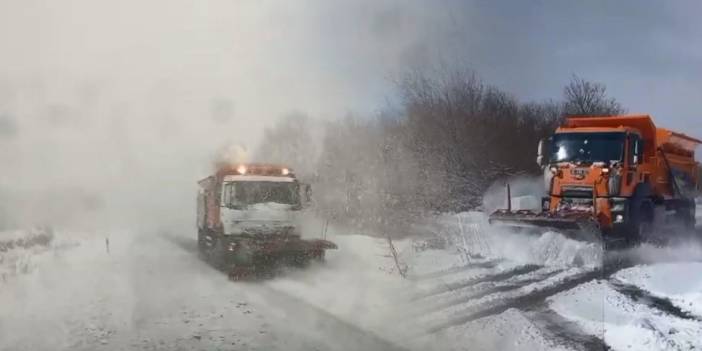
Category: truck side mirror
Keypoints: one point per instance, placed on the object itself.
(542, 156)
(305, 194)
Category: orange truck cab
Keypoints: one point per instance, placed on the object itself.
(620, 174)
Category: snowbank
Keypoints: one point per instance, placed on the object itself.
(21, 251)
(472, 235)
(549, 248)
(12, 239)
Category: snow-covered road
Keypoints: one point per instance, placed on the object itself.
(151, 292)
(475, 289)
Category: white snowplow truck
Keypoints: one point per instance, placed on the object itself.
(246, 219)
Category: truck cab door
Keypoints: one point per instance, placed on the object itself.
(634, 158)
(201, 209)
(543, 150)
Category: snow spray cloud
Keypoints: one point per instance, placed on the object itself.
(525, 190)
(549, 248)
(110, 112)
(231, 154)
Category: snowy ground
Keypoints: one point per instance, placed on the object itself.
(501, 292)
(468, 287)
(153, 293)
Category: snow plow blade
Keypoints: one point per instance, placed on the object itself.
(321, 244)
(578, 226)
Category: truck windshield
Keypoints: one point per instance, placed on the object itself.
(587, 147)
(252, 192)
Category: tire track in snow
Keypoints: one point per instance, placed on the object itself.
(562, 330)
(439, 274)
(521, 302)
(498, 304)
(644, 297)
(486, 289)
(496, 277)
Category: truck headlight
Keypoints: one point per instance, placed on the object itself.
(619, 219)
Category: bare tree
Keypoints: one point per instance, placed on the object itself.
(585, 98)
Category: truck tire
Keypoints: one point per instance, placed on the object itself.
(687, 215)
(201, 238)
(317, 256)
(641, 224)
(216, 253)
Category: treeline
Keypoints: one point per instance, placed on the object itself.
(449, 138)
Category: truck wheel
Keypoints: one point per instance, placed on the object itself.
(688, 216)
(216, 253)
(641, 224)
(317, 256)
(201, 241)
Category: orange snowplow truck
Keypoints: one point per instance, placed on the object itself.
(247, 219)
(612, 178)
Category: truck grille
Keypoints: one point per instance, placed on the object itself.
(267, 230)
(577, 191)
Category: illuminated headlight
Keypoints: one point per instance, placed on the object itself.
(241, 169)
(285, 171)
(619, 219)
